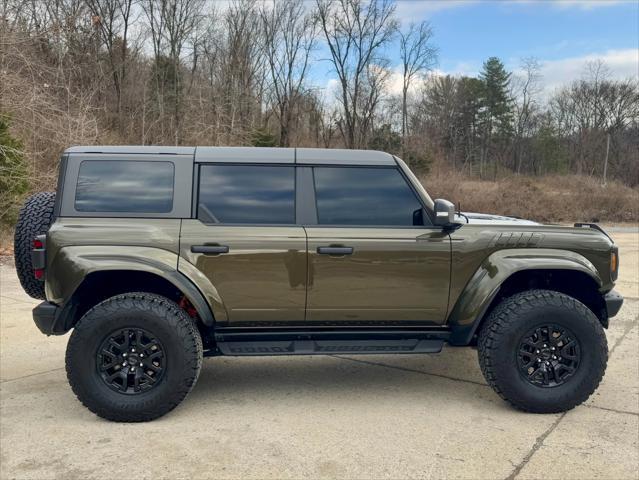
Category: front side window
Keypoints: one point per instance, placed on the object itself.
(262, 194)
(366, 197)
(125, 186)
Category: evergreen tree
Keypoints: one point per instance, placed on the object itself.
(496, 97)
(496, 116)
(260, 137)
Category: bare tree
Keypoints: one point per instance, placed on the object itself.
(242, 68)
(418, 57)
(111, 18)
(526, 88)
(289, 34)
(171, 24)
(356, 31)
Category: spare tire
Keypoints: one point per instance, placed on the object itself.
(35, 218)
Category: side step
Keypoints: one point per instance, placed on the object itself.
(327, 342)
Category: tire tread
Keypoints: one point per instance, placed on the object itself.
(186, 334)
(503, 318)
(35, 218)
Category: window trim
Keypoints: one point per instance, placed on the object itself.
(196, 196)
(395, 167)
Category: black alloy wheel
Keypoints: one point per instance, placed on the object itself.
(548, 355)
(131, 361)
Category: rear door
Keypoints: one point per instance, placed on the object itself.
(373, 254)
(246, 240)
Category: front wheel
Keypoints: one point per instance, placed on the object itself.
(134, 357)
(543, 351)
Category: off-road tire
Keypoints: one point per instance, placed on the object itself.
(173, 328)
(507, 324)
(35, 218)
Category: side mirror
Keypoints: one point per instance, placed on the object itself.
(444, 213)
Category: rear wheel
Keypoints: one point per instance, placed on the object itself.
(543, 351)
(134, 357)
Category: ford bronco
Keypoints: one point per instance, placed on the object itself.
(156, 257)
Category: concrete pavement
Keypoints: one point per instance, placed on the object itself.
(379, 416)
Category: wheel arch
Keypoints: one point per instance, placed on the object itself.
(508, 272)
(102, 284)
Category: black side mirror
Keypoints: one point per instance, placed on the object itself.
(444, 213)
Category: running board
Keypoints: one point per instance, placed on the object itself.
(327, 343)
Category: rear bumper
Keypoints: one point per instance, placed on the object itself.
(614, 301)
(48, 318)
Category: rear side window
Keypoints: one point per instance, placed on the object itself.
(262, 194)
(125, 186)
(365, 196)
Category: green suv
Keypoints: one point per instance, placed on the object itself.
(158, 256)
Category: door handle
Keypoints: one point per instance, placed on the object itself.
(210, 249)
(335, 250)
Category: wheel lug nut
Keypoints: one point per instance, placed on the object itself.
(133, 350)
(124, 364)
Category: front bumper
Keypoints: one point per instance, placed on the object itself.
(48, 318)
(614, 301)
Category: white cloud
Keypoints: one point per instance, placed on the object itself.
(587, 4)
(621, 64)
(409, 10)
(568, 4)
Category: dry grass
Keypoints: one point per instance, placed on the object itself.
(557, 199)
(6, 240)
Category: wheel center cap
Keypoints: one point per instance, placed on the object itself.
(132, 359)
(545, 354)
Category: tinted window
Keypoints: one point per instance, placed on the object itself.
(117, 186)
(247, 194)
(365, 196)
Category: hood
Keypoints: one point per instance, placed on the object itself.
(489, 219)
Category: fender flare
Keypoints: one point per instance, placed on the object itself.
(485, 284)
(72, 265)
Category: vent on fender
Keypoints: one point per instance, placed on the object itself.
(517, 239)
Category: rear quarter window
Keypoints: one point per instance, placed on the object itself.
(125, 186)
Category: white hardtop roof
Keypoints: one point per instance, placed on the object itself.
(304, 156)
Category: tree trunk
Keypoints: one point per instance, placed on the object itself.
(605, 169)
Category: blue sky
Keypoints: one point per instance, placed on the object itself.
(468, 32)
(562, 34)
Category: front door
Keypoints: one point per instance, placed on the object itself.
(373, 257)
(246, 242)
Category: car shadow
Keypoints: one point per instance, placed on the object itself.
(238, 379)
